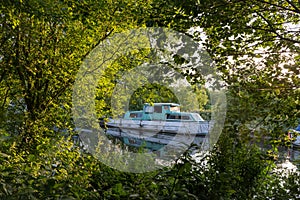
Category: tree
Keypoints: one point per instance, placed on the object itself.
(254, 46)
(43, 46)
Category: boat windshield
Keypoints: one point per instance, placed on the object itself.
(197, 117)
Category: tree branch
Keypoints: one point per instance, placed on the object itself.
(273, 30)
(294, 6)
(279, 6)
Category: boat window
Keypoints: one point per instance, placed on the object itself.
(149, 109)
(157, 109)
(197, 117)
(185, 117)
(173, 117)
(181, 117)
(175, 108)
(135, 115)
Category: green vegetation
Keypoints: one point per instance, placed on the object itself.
(255, 47)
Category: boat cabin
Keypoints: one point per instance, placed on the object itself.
(162, 111)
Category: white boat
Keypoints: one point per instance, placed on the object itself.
(162, 118)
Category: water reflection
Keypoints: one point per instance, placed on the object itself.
(294, 155)
(158, 143)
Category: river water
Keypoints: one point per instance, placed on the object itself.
(288, 157)
(294, 157)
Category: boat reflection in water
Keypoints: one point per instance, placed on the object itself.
(160, 143)
(294, 155)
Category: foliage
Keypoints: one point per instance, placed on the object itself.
(46, 173)
(254, 46)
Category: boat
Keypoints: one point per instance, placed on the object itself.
(161, 118)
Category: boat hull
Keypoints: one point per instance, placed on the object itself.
(179, 127)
